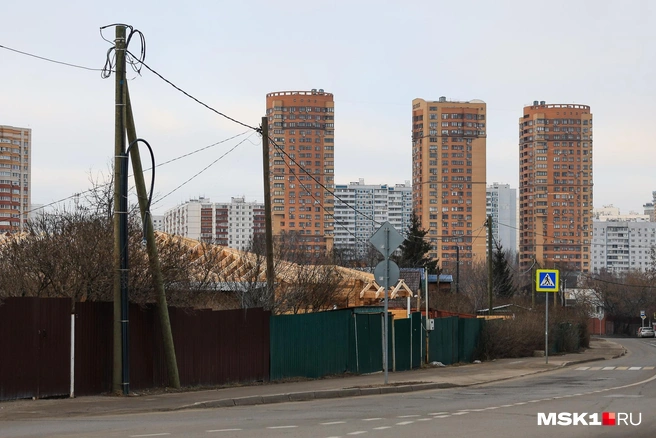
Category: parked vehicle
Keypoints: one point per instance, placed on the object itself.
(646, 332)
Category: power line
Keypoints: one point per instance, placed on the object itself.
(192, 97)
(332, 193)
(204, 169)
(50, 60)
(75, 195)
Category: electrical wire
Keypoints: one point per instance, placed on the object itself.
(78, 194)
(194, 98)
(51, 60)
(204, 169)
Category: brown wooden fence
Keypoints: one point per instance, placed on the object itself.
(212, 347)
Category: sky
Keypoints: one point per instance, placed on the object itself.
(374, 56)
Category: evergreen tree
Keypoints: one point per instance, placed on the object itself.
(501, 275)
(415, 249)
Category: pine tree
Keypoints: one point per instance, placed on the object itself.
(501, 275)
(415, 249)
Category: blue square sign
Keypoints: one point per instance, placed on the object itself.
(547, 280)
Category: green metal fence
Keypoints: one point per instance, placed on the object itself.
(309, 345)
(324, 343)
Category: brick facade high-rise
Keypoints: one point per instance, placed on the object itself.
(448, 177)
(15, 177)
(555, 186)
(302, 166)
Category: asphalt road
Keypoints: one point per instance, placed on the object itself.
(510, 408)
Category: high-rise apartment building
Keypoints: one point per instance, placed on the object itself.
(15, 177)
(620, 246)
(502, 207)
(448, 177)
(302, 165)
(232, 224)
(361, 208)
(555, 186)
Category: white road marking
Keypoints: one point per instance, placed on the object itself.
(582, 368)
(424, 419)
(442, 416)
(407, 416)
(438, 413)
(281, 427)
(332, 422)
(150, 434)
(520, 403)
(607, 368)
(404, 423)
(358, 432)
(634, 368)
(372, 419)
(460, 413)
(382, 427)
(223, 430)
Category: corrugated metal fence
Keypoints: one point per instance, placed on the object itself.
(212, 347)
(35, 349)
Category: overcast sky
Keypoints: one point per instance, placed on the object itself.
(374, 56)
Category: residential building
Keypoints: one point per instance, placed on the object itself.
(360, 209)
(555, 186)
(232, 224)
(302, 165)
(649, 207)
(620, 246)
(609, 212)
(502, 207)
(158, 222)
(15, 177)
(448, 177)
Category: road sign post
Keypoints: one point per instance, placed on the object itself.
(386, 240)
(547, 280)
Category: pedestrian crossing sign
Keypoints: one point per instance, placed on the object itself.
(547, 280)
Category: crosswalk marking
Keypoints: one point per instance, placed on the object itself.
(614, 368)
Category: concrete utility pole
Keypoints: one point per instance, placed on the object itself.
(151, 246)
(489, 264)
(268, 236)
(119, 150)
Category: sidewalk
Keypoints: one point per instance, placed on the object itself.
(350, 386)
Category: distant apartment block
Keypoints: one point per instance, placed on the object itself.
(555, 186)
(501, 205)
(302, 165)
(620, 246)
(15, 177)
(448, 178)
(158, 222)
(649, 208)
(375, 204)
(230, 224)
(611, 213)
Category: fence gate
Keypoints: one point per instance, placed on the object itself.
(35, 336)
